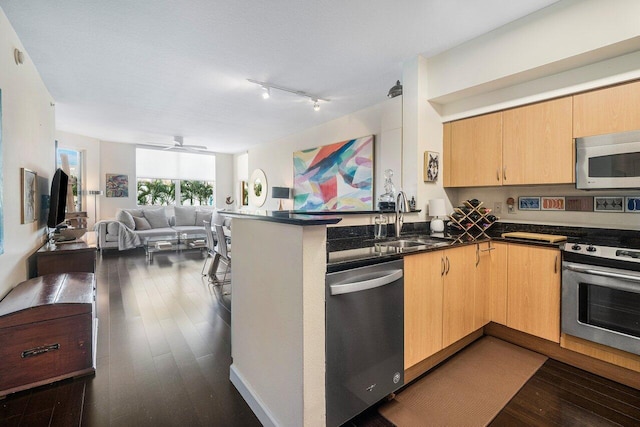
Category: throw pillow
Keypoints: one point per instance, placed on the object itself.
(141, 223)
(112, 227)
(126, 218)
(157, 218)
(203, 216)
(185, 215)
(135, 212)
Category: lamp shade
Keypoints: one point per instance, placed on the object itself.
(281, 192)
(437, 208)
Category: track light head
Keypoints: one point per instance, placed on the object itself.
(266, 92)
(316, 105)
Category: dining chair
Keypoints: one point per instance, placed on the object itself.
(222, 250)
(211, 251)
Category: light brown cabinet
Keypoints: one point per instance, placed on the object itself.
(526, 145)
(458, 313)
(473, 152)
(537, 144)
(446, 298)
(422, 306)
(533, 290)
(498, 283)
(608, 110)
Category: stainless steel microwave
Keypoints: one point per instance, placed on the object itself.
(608, 161)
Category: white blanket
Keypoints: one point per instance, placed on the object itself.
(127, 238)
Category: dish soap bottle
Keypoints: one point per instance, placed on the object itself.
(412, 203)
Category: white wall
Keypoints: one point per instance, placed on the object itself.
(90, 148)
(224, 180)
(28, 135)
(276, 158)
(117, 158)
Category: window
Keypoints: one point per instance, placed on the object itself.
(165, 177)
(70, 161)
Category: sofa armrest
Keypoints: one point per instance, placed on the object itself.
(102, 233)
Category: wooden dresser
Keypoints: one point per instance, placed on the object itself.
(79, 256)
(48, 330)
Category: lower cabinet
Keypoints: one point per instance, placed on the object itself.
(533, 290)
(422, 306)
(446, 298)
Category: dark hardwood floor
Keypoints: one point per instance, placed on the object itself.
(556, 395)
(164, 351)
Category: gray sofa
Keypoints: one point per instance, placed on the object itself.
(154, 221)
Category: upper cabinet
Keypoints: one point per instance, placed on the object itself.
(609, 110)
(537, 144)
(474, 152)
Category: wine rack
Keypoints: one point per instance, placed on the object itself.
(471, 221)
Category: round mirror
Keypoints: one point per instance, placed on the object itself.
(258, 188)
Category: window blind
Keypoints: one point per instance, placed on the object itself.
(164, 164)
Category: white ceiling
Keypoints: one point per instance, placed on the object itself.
(146, 70)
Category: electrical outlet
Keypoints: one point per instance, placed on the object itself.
(497, 208)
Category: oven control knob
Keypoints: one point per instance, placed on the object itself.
(591, 249)
(576, 247)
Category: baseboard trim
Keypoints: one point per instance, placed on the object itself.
(254, 402)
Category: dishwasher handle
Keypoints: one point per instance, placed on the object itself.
(388, 277)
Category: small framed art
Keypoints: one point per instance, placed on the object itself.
(529, 203)
(431, 166)
(28, 183)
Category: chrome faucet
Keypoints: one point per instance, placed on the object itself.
(401, 208)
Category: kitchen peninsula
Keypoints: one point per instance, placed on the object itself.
(277, 316)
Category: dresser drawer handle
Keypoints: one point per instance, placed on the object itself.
(39, 350)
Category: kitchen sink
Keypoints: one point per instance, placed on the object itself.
(404, 243)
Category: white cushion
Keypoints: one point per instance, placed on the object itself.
(125, 217)
(141, 223)
(112, 227)
(203, 216)
(185, 215)
(157, 218)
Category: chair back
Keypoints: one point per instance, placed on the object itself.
(211, 244)
(222, 242)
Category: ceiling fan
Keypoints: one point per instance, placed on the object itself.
(179, 145)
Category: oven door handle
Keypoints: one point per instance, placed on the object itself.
(603, 273)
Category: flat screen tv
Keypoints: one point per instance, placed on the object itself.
(58, 200)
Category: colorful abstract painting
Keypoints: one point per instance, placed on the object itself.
(335, 177)
(117, 185)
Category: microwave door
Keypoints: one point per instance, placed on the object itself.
(608, 166)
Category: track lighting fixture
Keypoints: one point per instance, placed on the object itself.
(266, 88)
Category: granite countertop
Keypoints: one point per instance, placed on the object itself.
(284, 217)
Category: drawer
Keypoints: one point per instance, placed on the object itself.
(43, 352)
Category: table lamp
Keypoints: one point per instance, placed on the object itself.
(437, 209)
(281, 193)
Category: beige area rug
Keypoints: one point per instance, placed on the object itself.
(468, 390)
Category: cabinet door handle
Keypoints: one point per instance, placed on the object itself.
(442, 266)
(448, 266)
(497, 174)
(477, 254)
(555, 265)
(504, 173)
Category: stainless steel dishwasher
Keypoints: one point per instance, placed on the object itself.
(365, 338)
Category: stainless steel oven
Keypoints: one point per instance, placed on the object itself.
(601, 295)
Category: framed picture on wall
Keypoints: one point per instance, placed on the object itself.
(29, 188)
(431, 166)
(244, 193)
(117, 185)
